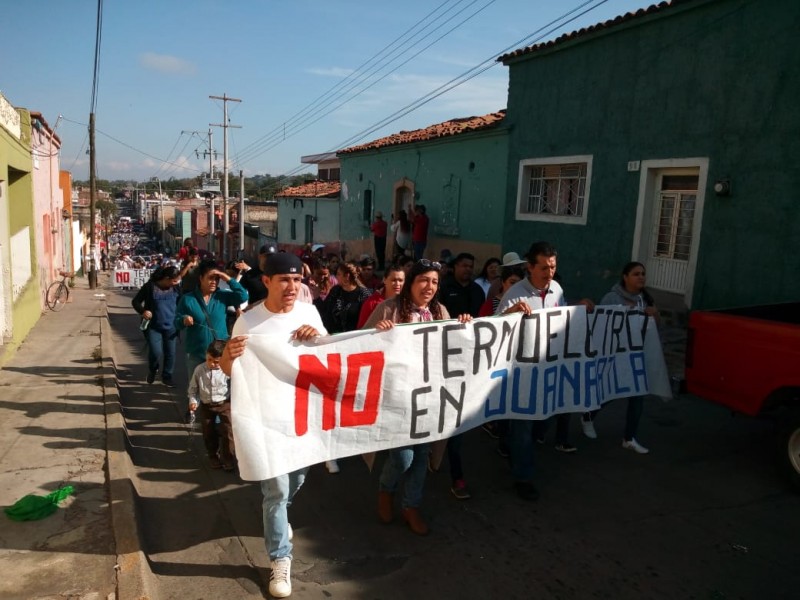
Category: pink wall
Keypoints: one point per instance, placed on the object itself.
(47, 203)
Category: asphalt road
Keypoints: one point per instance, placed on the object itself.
(705, 515)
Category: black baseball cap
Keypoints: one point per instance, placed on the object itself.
(283, 263)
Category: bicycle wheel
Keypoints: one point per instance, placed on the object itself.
(57, 295)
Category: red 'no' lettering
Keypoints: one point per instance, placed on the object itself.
(326, 379)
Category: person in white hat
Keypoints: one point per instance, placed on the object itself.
(510, 259)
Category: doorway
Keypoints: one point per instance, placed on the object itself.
(668, 223)
(402, 198)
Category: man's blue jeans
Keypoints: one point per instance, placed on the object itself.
(411, 460)
(419, 250)
(520, 445)
(161, 351)
(278, 494)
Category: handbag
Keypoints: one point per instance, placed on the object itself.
(208, 321)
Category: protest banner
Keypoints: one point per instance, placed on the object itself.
(295, 405)
(130, 278)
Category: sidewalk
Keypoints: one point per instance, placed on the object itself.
(62, 425)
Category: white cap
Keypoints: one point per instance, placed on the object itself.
(316, 247)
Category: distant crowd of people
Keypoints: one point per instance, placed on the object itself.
(214, 307)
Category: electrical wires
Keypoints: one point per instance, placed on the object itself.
(368, 74)
(536, 36)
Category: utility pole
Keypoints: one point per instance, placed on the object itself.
(241, 212)
(211, 234)
(211, 156)
(161, 211)
(226, 222)
(92, 204)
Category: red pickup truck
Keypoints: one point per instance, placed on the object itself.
(748, 359)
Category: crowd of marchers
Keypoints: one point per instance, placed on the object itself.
(213, 307)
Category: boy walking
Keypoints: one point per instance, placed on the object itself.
(209, 391)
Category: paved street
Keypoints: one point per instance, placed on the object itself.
(704, 515)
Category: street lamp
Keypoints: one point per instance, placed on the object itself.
(161, 210)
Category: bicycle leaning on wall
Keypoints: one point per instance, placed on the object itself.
(58, 292)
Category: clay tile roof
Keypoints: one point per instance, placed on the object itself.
(312, 189)
(653, 8)
(439, 130)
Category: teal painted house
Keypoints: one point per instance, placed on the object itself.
(456, 169)
(668, 136)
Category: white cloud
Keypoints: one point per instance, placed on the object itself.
(114, 166)
(164, 63)
(330, 71)
(484, 94)
(455, 61)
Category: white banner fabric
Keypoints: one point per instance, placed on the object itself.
(295, 405)
(130, 278)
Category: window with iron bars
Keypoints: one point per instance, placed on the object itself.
(554, 189)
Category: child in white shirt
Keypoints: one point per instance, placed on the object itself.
(209, 390)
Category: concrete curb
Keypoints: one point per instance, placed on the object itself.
(135, 580)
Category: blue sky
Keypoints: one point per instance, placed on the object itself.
(162, 59)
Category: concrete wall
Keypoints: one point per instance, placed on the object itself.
(48, 201)
(716, 80)
(316, 220)
(20, 291)
(459, 179)
(65, 183)
(264, 217)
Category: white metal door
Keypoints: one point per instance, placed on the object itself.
(671, 238)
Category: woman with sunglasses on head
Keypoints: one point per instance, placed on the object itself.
(630, 292)
(417, 302)
(202, 312)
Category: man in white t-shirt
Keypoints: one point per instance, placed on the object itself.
(279, 313)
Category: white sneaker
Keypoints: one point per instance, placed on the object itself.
(635, 446)
(290, 531)
(332, 466)
(280, 582)
(588, 429)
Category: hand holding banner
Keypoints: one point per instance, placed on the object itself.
(294, 405)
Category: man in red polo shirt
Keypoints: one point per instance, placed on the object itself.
(379, 228)
(419, 230)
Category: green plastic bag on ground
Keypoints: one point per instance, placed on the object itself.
(33, 508)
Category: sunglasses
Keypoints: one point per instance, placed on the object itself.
(432, 264)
